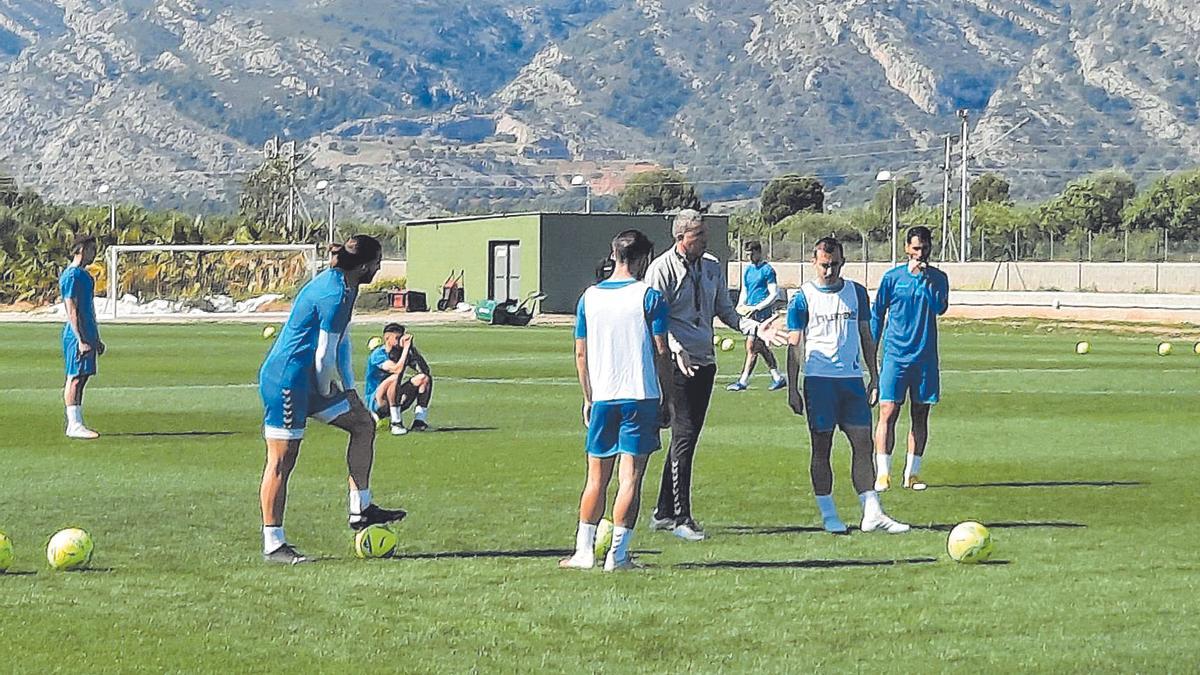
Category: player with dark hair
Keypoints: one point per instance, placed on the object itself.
(308, 373)
(81, 335)
(760, 290)
(621, 356)
(910, 299)
(829, 330)
(388, 393)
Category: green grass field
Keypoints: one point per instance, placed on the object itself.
(1089, 575)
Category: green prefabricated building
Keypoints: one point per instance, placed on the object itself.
(508, 256)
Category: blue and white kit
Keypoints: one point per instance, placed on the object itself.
(904, 323)
(75, 283)
(834, 394)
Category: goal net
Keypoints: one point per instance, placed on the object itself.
(211, 279)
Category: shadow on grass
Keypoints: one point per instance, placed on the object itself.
(530, 553)
(169, 434)
(996, 562)
(1042, 483)
(18, 573)
(806, 529)
(799, 564)
(458, 430)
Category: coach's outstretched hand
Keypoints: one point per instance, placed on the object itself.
(771, 332)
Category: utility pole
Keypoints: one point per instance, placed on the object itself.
(291, 212)
(946, 199)
(964, 203)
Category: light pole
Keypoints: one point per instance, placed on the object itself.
(323, 188)
(580, 181)
(886, 176)
(105, 192)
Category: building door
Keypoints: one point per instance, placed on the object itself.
(505, 277)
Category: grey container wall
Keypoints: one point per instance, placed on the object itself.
(573, 244)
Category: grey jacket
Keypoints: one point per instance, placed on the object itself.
(693, 305)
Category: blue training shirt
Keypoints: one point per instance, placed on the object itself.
(911, 304)
(755, 280)
(375, 372)
(324, 304)
(75, 283)
(657, 310)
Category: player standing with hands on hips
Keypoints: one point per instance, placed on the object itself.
(622, 359)
(81, 335)
(694, 285)
(829, 330)
(309, 373)
(910, 299)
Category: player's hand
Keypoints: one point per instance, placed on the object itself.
(405, 340)
(873, 393)
(85, 348)
(587, 413)
(795, 399)
(771, 332)
(684, 363)
(101, 348)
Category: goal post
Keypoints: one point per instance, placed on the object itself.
(224, 261)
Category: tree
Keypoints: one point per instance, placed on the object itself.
(990, 188)
(791, 194)
(906, 197)
(1093, 203)
(1171, 202)
(658, 191)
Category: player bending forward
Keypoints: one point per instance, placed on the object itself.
(621, 355)
(388, 393)
(81, 335)
(308, 373)
(829, 328)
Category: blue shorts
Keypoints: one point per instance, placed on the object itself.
(289, 402)
(921, 378)
(831, 402)
(625, 427)
(75, 364)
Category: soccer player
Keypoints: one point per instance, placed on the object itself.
(81, 334)
(760, 290)
(910, 299)
(694, 285)
(308, 373)
(621, 355)
(829, 331)
(388, 393)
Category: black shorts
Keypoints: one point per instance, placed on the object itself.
(406, 395)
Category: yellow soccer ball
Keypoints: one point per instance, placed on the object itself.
(1165, 348)
(375, 541)
(1196, 348)
(1083, 347)
(727, 345)
(6, 552)
(604, 534)
(269, 332)
(969, 543)
(70, 549)
(374, 343)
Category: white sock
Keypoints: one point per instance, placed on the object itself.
(825, 503)
(272, 538)
(397, 415)
(75, 415)
(359, 500)
(871, 506)
(883, 465)
(585, 539)
(421, 413)
(912, 466)
(622, 536)
(776, 375)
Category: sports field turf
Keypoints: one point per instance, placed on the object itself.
(1085, 467)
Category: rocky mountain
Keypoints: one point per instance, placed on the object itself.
(412, 108)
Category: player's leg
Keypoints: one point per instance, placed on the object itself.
(424, 384)
(632, 470)
(778, 381)
(821, 413)
(272, 494)
(854, 417)
(79, 370)
(891, 399)
(348, 413)
(591, 510)
(387, 396)
(926, 392)
(743, 381)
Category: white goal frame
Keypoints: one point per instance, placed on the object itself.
(113, 253)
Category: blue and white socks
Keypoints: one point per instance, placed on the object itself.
(829, 515)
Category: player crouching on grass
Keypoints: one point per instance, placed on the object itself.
(829, 328)
(308, 373)
(81, 334)
(621, 355)
(387, 392)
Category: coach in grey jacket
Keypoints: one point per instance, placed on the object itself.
(693, 282)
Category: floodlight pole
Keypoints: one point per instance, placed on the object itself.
(964, 204)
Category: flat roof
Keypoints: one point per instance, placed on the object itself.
(609, 214)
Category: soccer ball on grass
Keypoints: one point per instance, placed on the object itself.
(269, 332)
(969, 543)
(6, 552)
(375, 541)
(70, 549)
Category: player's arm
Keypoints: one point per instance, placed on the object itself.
(797, 323)
(772, 290)
(941, 293)
(658, 316)
(346, 361)
(870, 347)
(418, 361)
(71, 305)
(581, 364)
(329, 340)
(883, 298)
